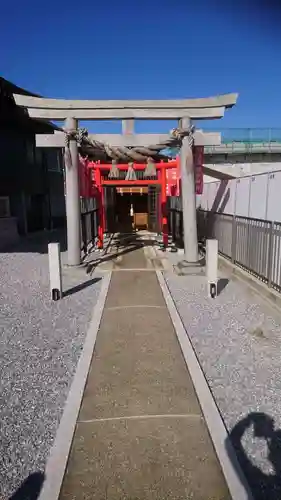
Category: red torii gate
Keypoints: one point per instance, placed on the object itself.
(161, 180)
(93, 181)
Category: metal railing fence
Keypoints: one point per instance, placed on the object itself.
(252, 244)
(89, 223)
(175, 222)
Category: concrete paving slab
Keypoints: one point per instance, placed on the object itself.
(138, 367)
(129, 253)
(133, 258)
(129, 289)
(147, 459)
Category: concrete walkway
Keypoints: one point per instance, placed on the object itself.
(140, 432)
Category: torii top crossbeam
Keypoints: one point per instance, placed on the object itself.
(127, 110)
(60, 109)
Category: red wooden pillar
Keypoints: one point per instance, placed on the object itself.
(159, 202)
(164, 205)
(100, 208)
(103, 208)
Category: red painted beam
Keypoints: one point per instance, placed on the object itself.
(136, 166)
(120, 182)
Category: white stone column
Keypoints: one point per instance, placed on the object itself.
(73, 215)
(188, 199)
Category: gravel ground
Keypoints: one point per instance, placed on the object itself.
(237, 338)
(40, 344)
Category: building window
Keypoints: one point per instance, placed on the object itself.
(5, 206)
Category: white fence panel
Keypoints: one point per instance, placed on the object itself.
(274, 197)
(242, 196)
(256, 196)
(227, 205)
(258, 193)
(212, 193)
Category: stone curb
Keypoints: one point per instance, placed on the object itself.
(58, 457)
(236, 482)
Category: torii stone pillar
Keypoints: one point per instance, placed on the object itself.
(188, 197)
(73, 200)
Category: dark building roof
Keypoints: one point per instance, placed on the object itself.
(12, 115)
(9, 87)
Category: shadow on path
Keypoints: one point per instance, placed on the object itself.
(263, 486)
(222, 284)
(124, 244)
(80, 287)
(31, 487)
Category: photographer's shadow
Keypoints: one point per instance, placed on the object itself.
(263, 486)
(30, 488)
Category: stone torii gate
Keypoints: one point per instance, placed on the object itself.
(186, 110)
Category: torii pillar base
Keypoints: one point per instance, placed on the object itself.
(184, 268)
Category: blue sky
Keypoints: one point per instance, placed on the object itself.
(147, 49)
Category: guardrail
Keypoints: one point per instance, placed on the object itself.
(244, 147)
(248, 135)
(246, 141)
